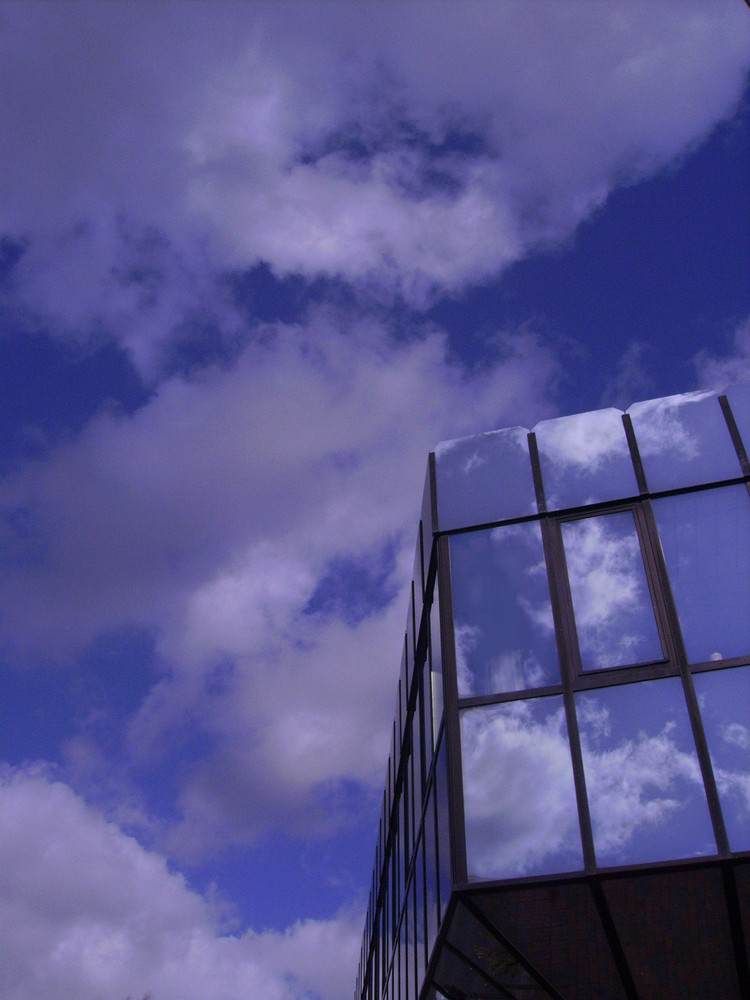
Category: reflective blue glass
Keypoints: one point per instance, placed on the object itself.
(724, 699)
(443, 828)
(504, 633)
(684, 441)
(613, 611)
(436, 669)
(519, 797)
(643, 780)
(484, 478)
(739, 403)
(706, 541)
(585, 459)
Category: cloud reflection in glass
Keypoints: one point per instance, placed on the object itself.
(519, 797)
(611, 600)
(643, 780)
(503, 618)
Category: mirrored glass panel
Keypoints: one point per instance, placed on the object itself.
(642, 776)
(418, 583)
(504, 633)
(484, 478)
(683, 441)
(706, 541)
(519, 799)
(431, 873)
(427, 526)
(724, 699)
(739, 403)
(585, 459)
(443, 828)
(436, 670)
(613, 611)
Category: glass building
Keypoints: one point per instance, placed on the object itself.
(566, 811)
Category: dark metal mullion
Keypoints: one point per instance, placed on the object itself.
(650, 558)
(480, 916)
(476, 701)
(696, 721)
(567, 644)
(635, 455)
(734, 432)
(451, 721)
(567, 649)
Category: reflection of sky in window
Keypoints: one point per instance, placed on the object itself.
(642, 776)
(706, 541)
(724, 698)
(484, 478)
(519, 798)
(739, 402)
(683, 440)
(503, 619)
(585, 459)
(613, 610)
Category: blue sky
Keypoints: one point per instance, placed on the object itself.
(255, 261)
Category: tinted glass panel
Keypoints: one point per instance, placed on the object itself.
(739, 402)
(505, 637)
(706, 542)
(431, 873)
(459, 981)
(724, 698)
(585, 459)
(642, 776)
(611, 600)
(436, 669)
(683, 441)
(557, 929)
(675, 934)
(484, 478)
(443, 828)
(482, 948)
(519, 800)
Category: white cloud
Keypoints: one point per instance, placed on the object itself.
(518, 791)
(86, 911)
(381, 143)
(719, 372)
(211, 515)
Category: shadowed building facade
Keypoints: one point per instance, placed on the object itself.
(566, 811)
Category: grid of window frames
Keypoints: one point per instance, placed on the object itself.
(593, 574)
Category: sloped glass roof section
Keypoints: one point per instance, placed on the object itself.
(683, 441)
(484, 478)
(585, 459)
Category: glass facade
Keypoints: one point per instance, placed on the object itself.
(567, 805)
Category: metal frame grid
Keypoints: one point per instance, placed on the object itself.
(391, 966)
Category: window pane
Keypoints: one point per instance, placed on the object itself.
(445, 882)
(585, 458)
(642, 776)
(431, 872)
(739, 403)
(611, 600)
(684, 441)
(724, 698)
(505, 637)
(519, 799)
(484, 478)
(706, 542)
(436, 670)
